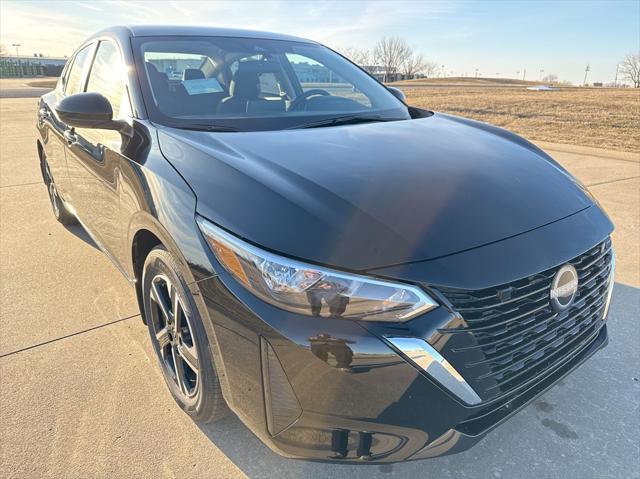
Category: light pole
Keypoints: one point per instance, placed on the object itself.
(541, 74)
(18, 55)
(586, 72)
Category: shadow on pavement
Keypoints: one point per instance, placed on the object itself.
(574, 430)
(78, 231)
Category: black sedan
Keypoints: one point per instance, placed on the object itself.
(355, 278)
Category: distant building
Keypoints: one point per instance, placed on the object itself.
(381, 74)
(315, 73)
(23, 66)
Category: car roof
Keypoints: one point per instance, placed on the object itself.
(182, 30)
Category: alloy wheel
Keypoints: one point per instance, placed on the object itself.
(174, 335)
(53, 193)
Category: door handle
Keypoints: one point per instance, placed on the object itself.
(70, 136)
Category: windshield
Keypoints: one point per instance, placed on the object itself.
(243, 84)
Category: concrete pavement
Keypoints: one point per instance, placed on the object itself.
(81, 394)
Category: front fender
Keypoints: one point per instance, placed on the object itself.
(154, 197)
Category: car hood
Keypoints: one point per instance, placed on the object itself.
(370, 195)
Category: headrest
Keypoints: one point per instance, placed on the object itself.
(157, 78)
(192, 74)
(258, 66)
(245, 85)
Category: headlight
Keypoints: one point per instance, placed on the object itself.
(312, 290)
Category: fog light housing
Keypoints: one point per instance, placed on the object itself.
(281, 404)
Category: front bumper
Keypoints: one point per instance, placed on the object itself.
(332, 390)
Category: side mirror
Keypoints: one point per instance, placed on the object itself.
(397, 92)
(88, 110)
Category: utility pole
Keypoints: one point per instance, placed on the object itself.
(541, 74)
(524, 74)
(18, 55)
(586, 72)
(476, 73)
(615, 82)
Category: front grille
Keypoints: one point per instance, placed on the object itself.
(517, 335)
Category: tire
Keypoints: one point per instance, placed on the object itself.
(180, 340)
(60, 210)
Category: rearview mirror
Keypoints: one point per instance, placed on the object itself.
(397, 92)
(88, 110)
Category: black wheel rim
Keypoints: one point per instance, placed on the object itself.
(174, 336)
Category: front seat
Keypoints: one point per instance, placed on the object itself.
(159, 83)
(244, 87)
(169, 100)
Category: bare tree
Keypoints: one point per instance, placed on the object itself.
(359, 56)
(391, 53)
(551, 78)
(429, 69)
(413, 65)
(630, 69)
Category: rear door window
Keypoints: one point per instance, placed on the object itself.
(269, 85)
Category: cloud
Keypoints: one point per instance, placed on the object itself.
(90, 6)
(496, 36)
(181, 9)
(44, 26)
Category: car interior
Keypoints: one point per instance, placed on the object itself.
(242, 84)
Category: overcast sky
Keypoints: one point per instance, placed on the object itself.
(497, 37)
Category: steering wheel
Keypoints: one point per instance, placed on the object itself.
(295, 104)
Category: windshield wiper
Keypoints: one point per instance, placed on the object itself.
(205, 127)
(342, 120)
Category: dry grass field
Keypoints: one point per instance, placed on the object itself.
(599, 117)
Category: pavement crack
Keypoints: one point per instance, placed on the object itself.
(613, 181)
(22, 184)
(77, 333)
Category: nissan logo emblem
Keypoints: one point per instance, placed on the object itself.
(564, 287)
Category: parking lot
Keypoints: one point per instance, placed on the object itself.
(81, 394)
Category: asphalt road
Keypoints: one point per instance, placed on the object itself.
(27, 92)
(81, 394)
